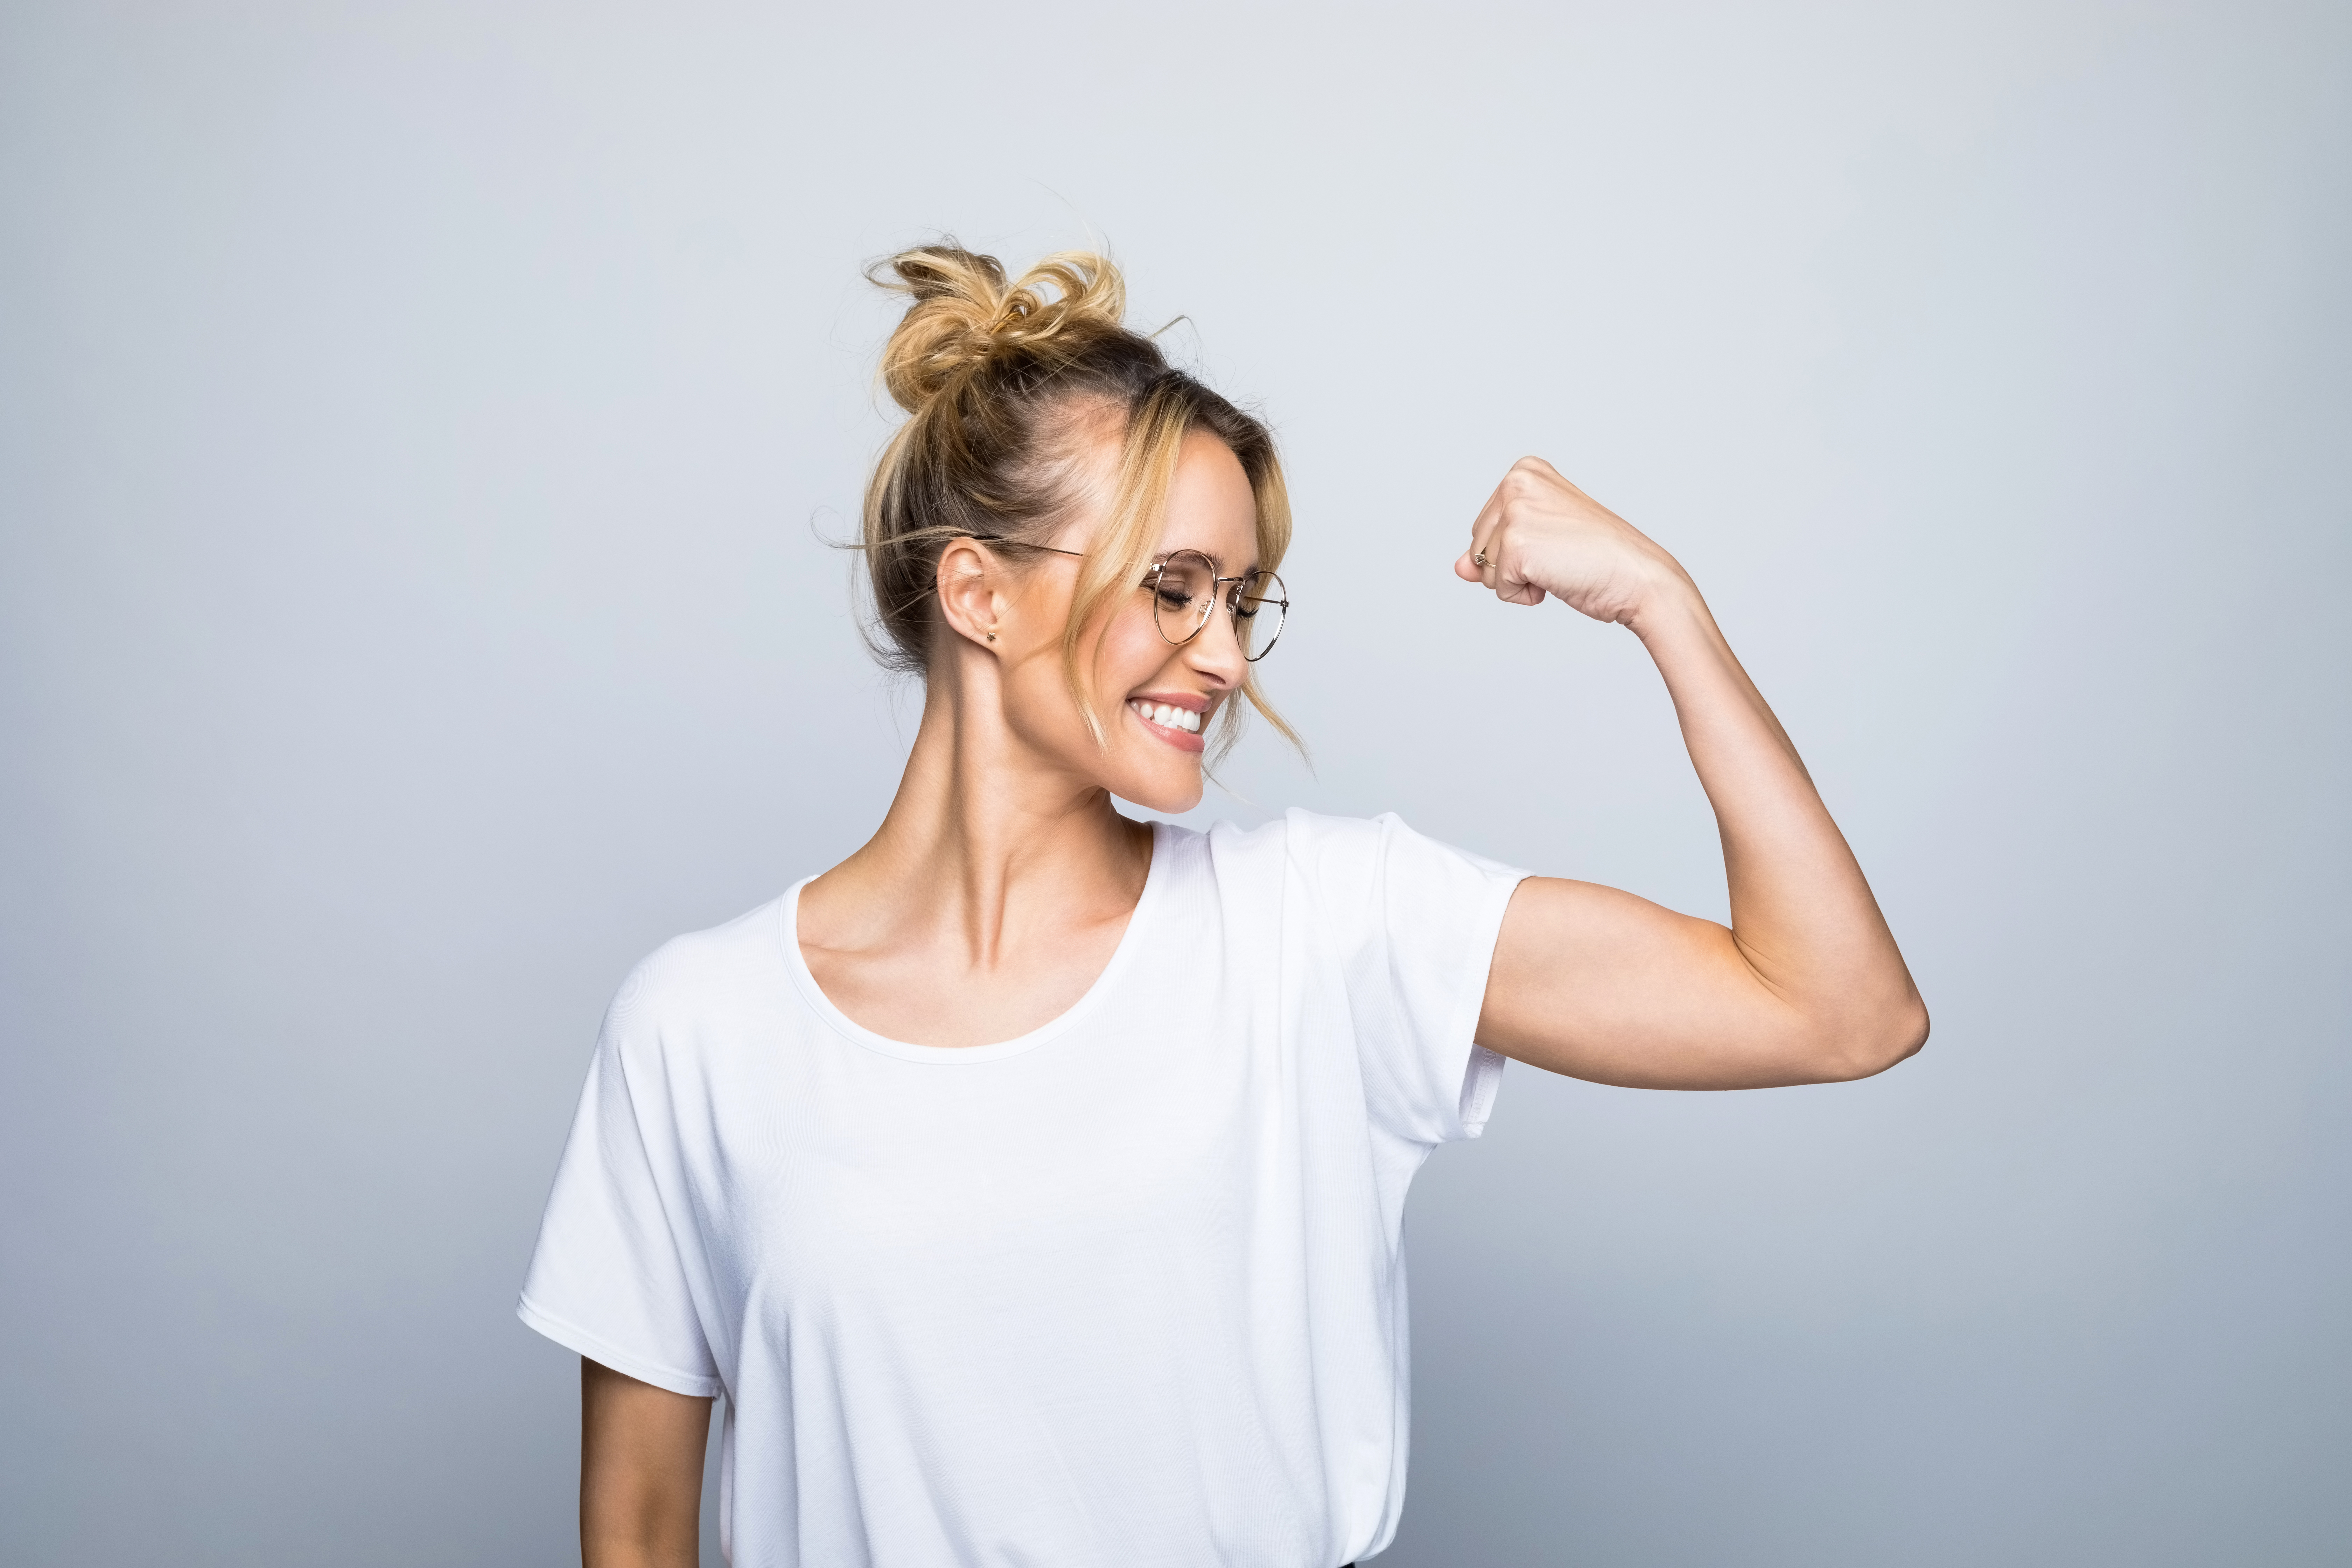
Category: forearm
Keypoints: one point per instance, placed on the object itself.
(640, 1472)
(667, 1544)
(1803, 916)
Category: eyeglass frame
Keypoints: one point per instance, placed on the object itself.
(1159, 565)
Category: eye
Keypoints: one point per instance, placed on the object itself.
(1178, 582)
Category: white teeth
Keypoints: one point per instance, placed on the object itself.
(1169, 716)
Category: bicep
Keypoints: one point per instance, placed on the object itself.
(641, 1452)
(1601, 984)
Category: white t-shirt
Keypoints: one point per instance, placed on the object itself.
(1127, 1289)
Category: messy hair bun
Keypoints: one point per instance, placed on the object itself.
(993, 375)
(964, 312)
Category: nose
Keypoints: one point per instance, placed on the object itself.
(1215, 650)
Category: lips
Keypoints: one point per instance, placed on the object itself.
(1172, 722)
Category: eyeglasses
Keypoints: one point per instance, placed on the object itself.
(1184, 587)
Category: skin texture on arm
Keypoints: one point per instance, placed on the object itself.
(640, 1472)
(1806, 984)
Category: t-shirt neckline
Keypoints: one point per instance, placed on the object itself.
(805, 982)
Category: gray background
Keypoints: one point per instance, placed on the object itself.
(416, 427)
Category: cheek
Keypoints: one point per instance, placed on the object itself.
(1132, 652)
(1124, 656)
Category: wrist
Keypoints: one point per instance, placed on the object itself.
(1669, 598)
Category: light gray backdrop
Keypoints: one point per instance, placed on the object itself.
(416, 424)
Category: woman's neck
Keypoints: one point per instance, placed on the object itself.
(986, 849)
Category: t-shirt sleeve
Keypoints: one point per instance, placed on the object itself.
(1412, 924)
(608, 1279)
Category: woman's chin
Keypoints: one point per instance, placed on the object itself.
(1160, 790)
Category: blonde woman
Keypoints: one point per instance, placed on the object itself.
(1030, 1182)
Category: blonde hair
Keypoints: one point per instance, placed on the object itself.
(998, 381)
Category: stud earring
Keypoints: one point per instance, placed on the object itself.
(991, 637)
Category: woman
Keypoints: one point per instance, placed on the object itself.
(1030, 1181)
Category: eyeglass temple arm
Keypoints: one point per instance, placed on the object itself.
(1081, 555)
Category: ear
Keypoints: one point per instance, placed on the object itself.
(968, 586)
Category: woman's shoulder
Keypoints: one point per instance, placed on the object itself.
(1305, 850)
(1299, 833)
(689, 972)
(1345, 859)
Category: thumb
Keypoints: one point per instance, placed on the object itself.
(1464, 569)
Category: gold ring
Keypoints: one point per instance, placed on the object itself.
(1480, 559)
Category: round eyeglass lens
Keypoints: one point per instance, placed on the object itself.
(1260, 601)
(1182, 590)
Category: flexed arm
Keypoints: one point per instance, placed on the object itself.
(1806, 985)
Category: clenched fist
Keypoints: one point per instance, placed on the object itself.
(1538, 534)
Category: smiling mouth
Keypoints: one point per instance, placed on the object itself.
(1168, 716)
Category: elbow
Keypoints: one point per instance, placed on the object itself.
(1867, 1046)
(1905, 1033)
